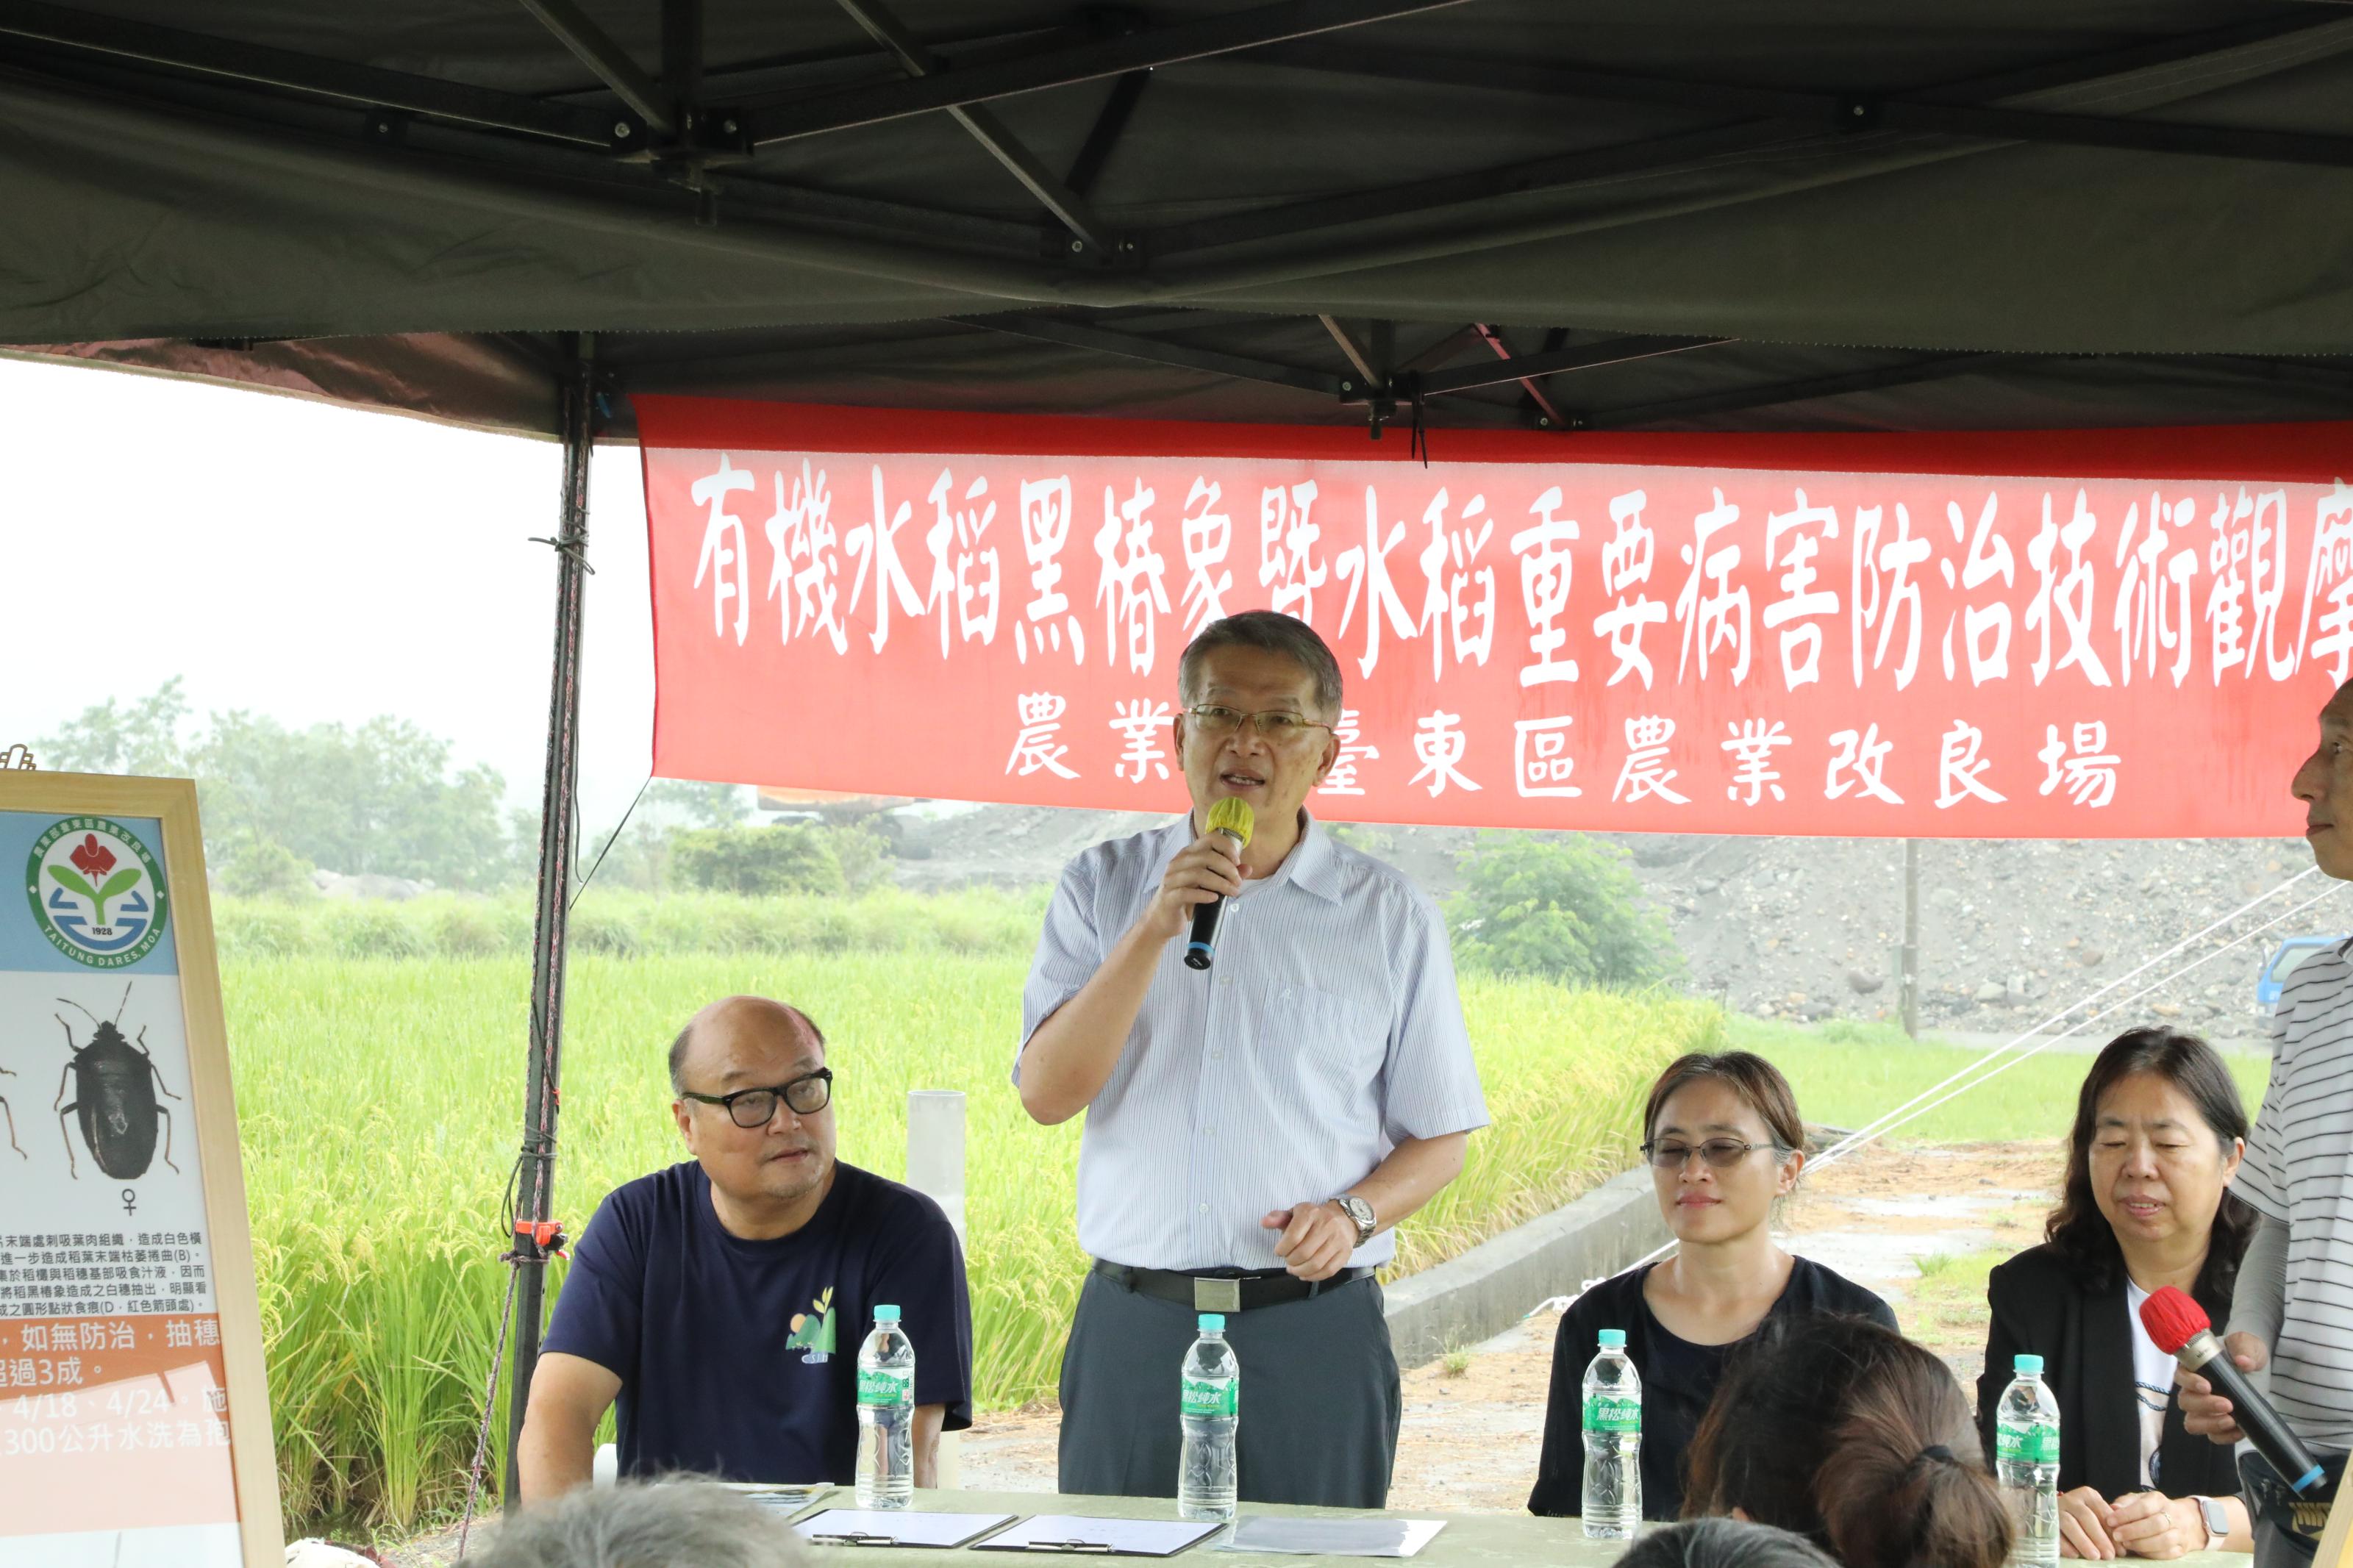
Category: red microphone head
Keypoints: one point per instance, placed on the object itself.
(2173, 1319)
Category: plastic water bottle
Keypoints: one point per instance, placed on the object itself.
(886, 1415)
(1209, 1406)
(1612, 1508)
(2026, 1457)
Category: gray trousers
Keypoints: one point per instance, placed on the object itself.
(1320, 1401)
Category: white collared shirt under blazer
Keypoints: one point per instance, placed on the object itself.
(2299, 1171)
(1327, 1031)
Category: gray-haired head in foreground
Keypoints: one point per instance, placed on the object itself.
(1723, 1543)
(1272, 632)
(638, 1524)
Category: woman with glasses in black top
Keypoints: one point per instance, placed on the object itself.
(1726, 1143)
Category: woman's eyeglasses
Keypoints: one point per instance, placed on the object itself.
(1672, 1154)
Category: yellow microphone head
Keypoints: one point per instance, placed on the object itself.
(1231, 814)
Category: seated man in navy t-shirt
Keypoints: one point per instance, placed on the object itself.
(723, 1301)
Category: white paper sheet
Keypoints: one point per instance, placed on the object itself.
(1331, 1537)
(1077, 1535)
(878, 1527)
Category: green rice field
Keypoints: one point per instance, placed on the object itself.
(380, 1099)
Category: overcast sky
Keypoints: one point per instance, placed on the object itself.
(311, 563)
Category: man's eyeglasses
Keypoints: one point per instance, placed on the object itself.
(1275, 726)
(1721, 1153)
(804, 1096)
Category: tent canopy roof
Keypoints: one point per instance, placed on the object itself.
(1687, 214)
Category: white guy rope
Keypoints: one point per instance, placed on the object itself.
(1854, 1141)
(1875, 1128)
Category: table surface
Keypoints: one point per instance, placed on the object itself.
(1469, 1540)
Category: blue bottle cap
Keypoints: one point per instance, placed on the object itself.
(886, 1314)
(1213, 1323)
(1613, 1338)
(2027, 1364)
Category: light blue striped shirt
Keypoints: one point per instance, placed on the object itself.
(1328, 1030)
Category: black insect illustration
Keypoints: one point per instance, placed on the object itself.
(114, 1083)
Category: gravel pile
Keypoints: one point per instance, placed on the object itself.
(1808, 927)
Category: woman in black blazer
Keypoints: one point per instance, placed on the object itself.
(2159, 1131)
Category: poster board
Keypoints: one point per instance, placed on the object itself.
(134, 1405)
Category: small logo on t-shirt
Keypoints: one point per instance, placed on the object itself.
(813, 1331)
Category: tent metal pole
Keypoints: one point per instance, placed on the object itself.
(558, 835)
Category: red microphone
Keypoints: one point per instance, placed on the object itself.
(2182, 1329)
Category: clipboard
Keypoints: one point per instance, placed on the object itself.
(1077, 1535)
(876, 1527)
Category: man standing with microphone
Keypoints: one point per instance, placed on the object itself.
(2292, 1313)
(1256, 1127)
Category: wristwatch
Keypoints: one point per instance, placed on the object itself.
(1357, 1209)
(2218, 1519)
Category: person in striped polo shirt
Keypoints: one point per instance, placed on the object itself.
(2292, 1316)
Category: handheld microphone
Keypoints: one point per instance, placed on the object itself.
(2182, 1329)
(1232, 818)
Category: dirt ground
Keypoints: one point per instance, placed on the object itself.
(1474, 1422)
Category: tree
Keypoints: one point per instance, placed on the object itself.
(382, 798)
(793, 857)
(1567, 911)
(378, 799)
(687, 803)
(143, 738)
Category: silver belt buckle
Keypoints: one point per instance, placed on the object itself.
(1216, 1294)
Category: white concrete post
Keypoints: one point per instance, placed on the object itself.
(935, 1168)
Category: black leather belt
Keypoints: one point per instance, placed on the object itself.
(1225, 1289)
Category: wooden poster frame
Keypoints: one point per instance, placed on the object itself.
(2335, 1549)
(253, 1455)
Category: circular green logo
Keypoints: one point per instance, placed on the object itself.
(97, 892)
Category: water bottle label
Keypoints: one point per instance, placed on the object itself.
(1612, 1413)
(1210, 1396)
(885, 1385)
(2037, 1444)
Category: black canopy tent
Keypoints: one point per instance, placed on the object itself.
(1568, 215)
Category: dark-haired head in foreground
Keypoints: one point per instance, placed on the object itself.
(1851, 1435)
(1723, 1543)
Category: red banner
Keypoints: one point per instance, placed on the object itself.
(2120, 634)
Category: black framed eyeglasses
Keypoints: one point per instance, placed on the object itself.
(804, 1096)
(1669, 1155)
